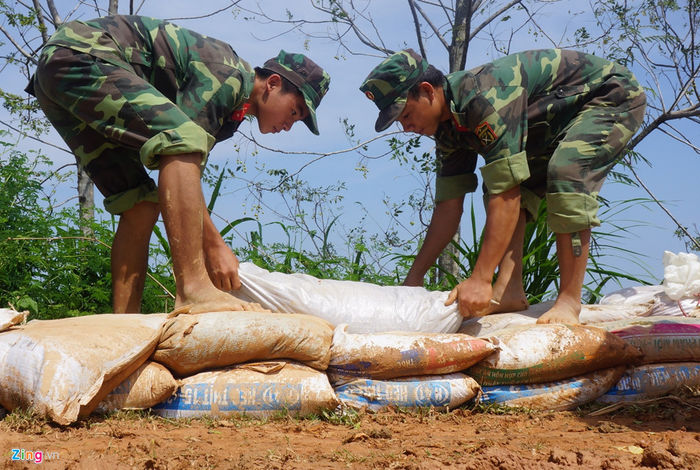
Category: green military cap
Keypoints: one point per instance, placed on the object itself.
(388, 84)
(308, 77)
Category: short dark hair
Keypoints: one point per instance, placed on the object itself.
(431, 75)
(287, 86)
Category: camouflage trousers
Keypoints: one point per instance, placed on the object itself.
(115, 122)
(570, 177)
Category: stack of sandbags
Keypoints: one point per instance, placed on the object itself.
(64, 368)
(404, 369)
(246, 362)
(555, 367)
(364, 307)
(671, 347)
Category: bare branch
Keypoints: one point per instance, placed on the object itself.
(493, 17)
(416, 23)
(432, 26)
(19, 48)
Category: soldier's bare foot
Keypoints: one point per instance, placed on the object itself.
(214, 300)
(563, 311)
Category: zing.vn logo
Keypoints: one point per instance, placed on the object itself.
(35, 456)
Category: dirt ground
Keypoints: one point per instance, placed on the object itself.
(664, 434)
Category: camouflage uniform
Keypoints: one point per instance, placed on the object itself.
(123, 90)
(551, 121)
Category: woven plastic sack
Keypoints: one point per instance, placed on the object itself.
(546, 353)
(556, 396)
(661, 339)
(400, 354)
(194, 343)
(149, 385)
(364, 307)
(652, 380)
(255, 389)
(64, 368)
(590, 314)
(438, 391)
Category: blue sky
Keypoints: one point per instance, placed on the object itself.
(672, 176)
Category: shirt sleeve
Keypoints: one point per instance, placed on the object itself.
(499, 120)
(455, 175)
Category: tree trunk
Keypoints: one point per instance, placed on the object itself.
(458, 59)
(86, 201)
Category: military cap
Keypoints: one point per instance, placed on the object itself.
(388, 84)
(311, 80)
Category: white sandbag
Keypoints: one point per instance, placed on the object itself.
(661, 339)
(10, 318)
(401, 354)
(546, 353)
(652, 380)
(64, 368)
(439, 391)
(556, 396)
(681, 275)
(149, 385)
(197, 342)
(255, 389)
(590, 314)
(662, 304)
(365, 307)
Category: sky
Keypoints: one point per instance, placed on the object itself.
(671, 176)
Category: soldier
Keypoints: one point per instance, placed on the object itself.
(549, 124)
(126, 92)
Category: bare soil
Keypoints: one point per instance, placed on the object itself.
(662, 435)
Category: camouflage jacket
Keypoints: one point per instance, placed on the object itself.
(511, 110)
(203, 76)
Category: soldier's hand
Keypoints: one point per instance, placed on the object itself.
(222, 266)
(473, 297)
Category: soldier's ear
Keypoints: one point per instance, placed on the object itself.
(273, 81)
(428, 89)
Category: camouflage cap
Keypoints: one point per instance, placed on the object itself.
(388, 84)
(311, 80)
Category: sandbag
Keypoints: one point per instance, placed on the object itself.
(149, 385)
(401, 354)
(255, 389)
(193, 343)
(439, 391)
(661, 339)
(590, 314)
(652, 380)
(662, 304)
(10, 318)
(557, 396)
(365, 307)
(545, 353)
(64, 368)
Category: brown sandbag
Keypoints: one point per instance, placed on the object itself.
(661, 339)
(545, 353)
(401, 354)
(256, 389)
(193, 343)
(63, 368)
(149, 385)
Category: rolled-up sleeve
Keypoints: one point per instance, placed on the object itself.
(455, 175)
(506, 125)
